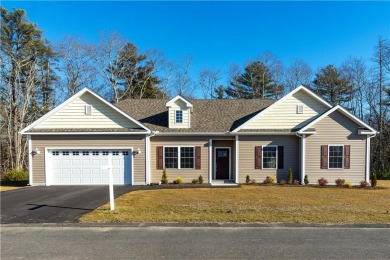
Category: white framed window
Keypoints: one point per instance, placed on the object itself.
(75, 153)
(300, 109)
(177, 157)
(88, 109)
(179, 116)
(335, 156)
(56, 153)
(270, 156)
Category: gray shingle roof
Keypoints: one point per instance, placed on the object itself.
(78, 130)
(218, 115)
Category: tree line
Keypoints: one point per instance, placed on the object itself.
(37, 75)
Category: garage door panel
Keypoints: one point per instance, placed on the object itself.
(75, 167)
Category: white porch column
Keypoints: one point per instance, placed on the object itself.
(30, 180)
(303, 158)
(368, 155)
(210, 160)
(237, 158)
(147, 159)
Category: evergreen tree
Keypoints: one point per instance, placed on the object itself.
(256, 82)
(135, 74)
(332, 86)
(219, 92)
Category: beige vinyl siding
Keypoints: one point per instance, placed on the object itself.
(336, 129)
(73, 116)
(73, 141)
(187, 174)
(247, 146)
(284, 115)
(179, 105)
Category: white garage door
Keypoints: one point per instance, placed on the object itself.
(86, 166)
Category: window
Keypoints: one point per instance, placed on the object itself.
(270, 157)
(75, 152)
(95, 152)
(56, 153)
(125, 153)
(300, 109)
(88, 109)
(115, 153)
(85, 152)
(65, 153)
(179, 157)
(105, 152)
(179, 116)
(335, 157)
(187, 157)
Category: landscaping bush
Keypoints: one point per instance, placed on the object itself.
(194, 181)
(383, 175)
(164, 178)
(282, 182)
(178, 180)
(248, 179)
(339, 182)
(200, 179)
(348, 184)
(322, 182)
(15, 175)
(269, 180)
(290, 176)
(364, 184)
(373, 179)
(295, 182)
(306, 180)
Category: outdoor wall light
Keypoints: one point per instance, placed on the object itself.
(136, 152)
(35, 152)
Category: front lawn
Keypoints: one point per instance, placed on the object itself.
(283, 204)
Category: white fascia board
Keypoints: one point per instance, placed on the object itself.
(264, 133)
(344, 112)
(89, 133)
(192, 134)
(74, 97)
(282, 100)
(173, 100)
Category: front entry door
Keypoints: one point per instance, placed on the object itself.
(222, 163)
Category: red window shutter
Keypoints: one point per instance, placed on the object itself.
(159, 159)
(347, 157)
(258, 159)
(197, 158)
(280, 157)
(324, 157)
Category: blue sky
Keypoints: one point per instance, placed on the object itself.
(218, 34)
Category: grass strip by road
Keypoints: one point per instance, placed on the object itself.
(260, 203)
(7, 188)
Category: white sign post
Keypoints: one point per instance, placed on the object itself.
(110, 181)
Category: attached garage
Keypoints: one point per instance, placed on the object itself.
(89, 166)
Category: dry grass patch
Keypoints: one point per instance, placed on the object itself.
(7, 188)
(250, 204)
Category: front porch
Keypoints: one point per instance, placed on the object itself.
(222, 161)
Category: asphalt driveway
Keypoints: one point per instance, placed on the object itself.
(54, 204)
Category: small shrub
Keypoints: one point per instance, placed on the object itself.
(290, 176)
(295, 182)
(200, 179)
(253, 181)
(306, 180)
(194, 181)
(248, 179)
(364, 184)
(322, 182)
(269, 180)
(348, 184)
(373, 179)
(282, 182)
(15, 175)
(383, 175)
(339, 182)
(164, 178)
(178, 180)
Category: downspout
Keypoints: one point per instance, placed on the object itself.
(147, 156)
(303, 157)
(368, 156)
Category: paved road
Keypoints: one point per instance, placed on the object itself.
(53, 204)
(81, 242)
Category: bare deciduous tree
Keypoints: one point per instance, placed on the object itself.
(208, 81)
(298, 73)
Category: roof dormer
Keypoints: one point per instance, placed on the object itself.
(179, 112)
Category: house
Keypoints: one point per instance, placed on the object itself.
(222, 140)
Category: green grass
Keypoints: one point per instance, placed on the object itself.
(257, 203)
